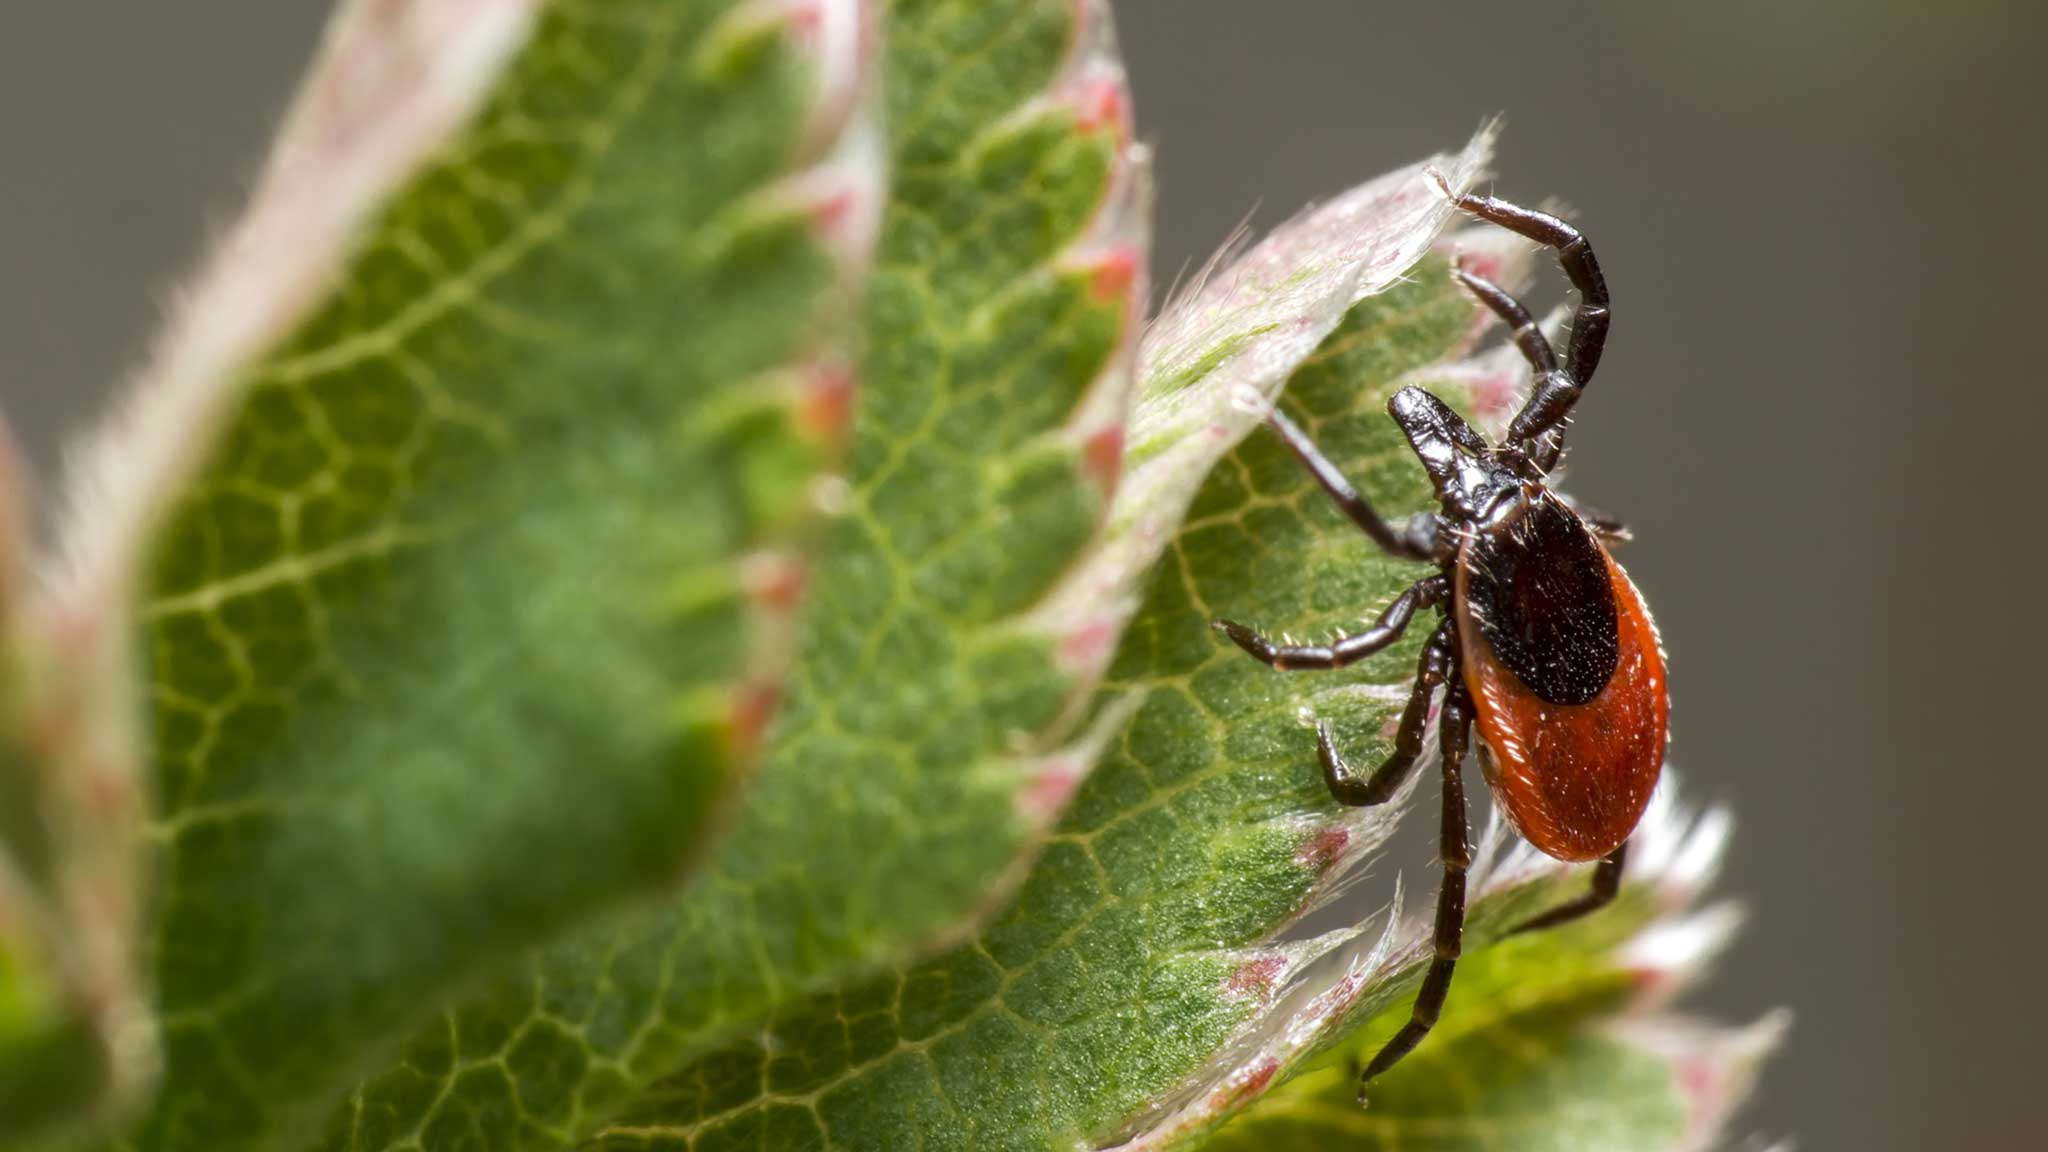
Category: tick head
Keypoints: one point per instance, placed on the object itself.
(1472, 481)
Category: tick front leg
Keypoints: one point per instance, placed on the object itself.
(1346, 649)
(1454, 848)
(1416, 541)
(1606, 885)
(1437, 662)
(1555, 393)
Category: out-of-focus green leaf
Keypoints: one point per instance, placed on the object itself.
(454, 632)
(923, 747)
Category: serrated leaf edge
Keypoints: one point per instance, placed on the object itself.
(1307, 273)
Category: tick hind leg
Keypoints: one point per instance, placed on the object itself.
(1438, 661)
(1606, 885)
(1454, 849)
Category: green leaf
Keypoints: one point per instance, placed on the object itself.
(449, 627)
(926, 741)
(1540, 1049)
(1141, 945)
(1607, 974)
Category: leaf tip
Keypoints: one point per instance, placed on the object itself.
(1668, 955)
(838, 38)
(1713, 1068)
(1100, 100)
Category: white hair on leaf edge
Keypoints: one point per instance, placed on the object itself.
(1674, 852)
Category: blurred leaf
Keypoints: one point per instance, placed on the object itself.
(452, 632)
(922, 749)
(72, 1059)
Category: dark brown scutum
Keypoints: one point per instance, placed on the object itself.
(1540, 593)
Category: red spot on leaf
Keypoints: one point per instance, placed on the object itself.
(753, 705)
(1101, 104)
(1325, 849)
(1256, 978)
(1336, 999)
(1087, 647)
(1249, 1083)
(832, 210)
(806, 21)
(773, 580)
(110, 794)
(1115, 272)
(1700, 1082)
(1650, 984)
(1102, 457)
(1046, 796)
(826, 405)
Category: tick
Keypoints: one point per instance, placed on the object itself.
(1541, 640)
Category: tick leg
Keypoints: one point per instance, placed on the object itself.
(1346, 649)
(1345, 784)
(1606, 884)
(1453, 848)
(1528, 335)
(1555, 393)
(1415, 542)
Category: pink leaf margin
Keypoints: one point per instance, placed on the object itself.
(1212, 363)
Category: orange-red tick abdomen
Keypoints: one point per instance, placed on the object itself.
(1573, 777)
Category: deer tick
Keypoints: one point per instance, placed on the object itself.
(1541, 640)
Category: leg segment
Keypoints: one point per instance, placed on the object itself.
(1415, 542)
(1347, 649)
(1606, 884)
(1512, 312)
(1555, 393)
(1345, 784)
(1453, 729)
(1549, 445)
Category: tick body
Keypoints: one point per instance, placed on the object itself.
(1566, 680)
(1541, 640)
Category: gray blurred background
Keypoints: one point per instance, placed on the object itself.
(1824, 225)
